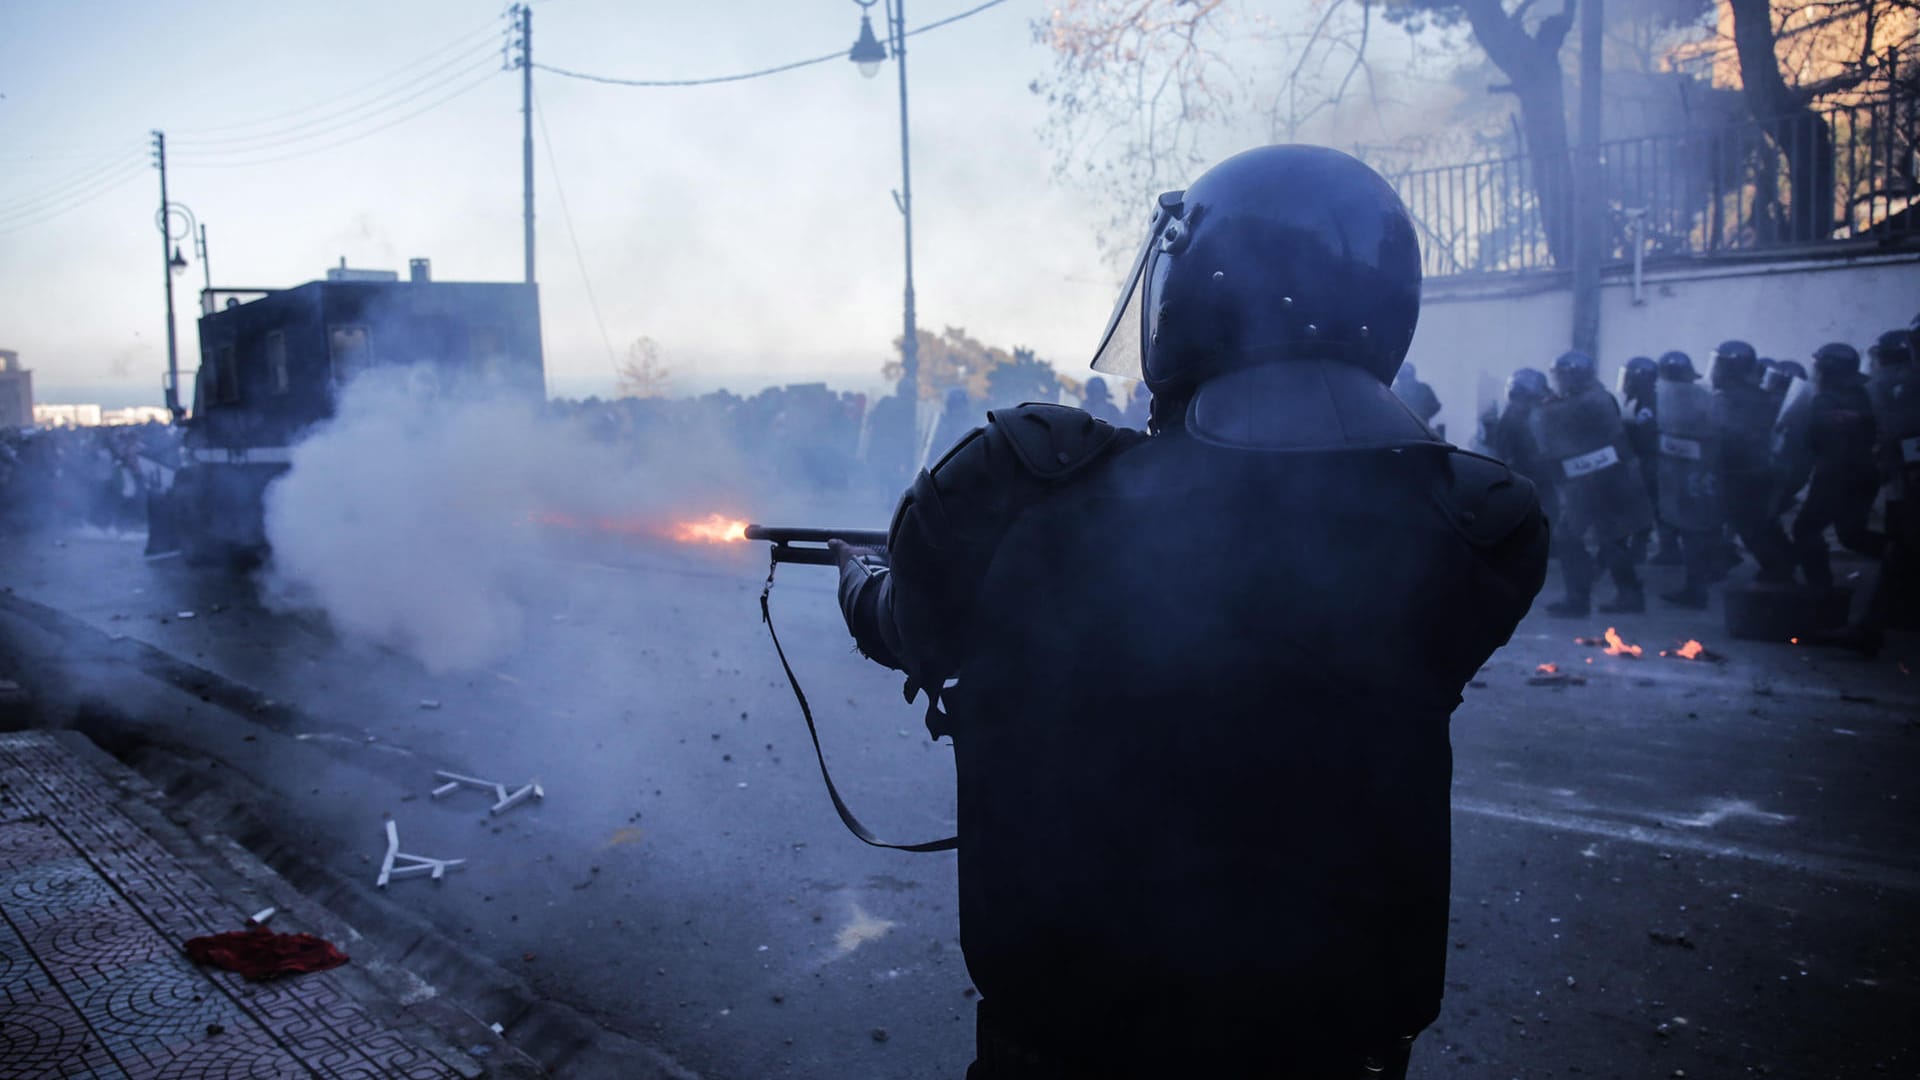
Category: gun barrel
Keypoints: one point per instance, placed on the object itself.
(812, 543)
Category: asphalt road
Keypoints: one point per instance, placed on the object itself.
(1706, 869)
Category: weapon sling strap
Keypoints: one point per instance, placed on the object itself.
(839, 805)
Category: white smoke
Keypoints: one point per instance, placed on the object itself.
(414, 518)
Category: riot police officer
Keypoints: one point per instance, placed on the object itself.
(1839, 446)
(1743, 417)
(1151, 882)
(1639, 379)
(1418, 395)
(1601, 497)
(1098, 401)
(1510, 433)
(1686, 456)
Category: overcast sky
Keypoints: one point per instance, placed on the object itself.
(746, 227)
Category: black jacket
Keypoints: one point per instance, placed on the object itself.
(1200, 722)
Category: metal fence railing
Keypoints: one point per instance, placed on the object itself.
(1843, 173)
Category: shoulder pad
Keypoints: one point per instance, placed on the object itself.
(1052, 441)
(1487, 500)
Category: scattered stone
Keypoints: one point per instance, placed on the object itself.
(216, 1029)
(880, 1035)
(1680, 941)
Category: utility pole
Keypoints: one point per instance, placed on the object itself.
(525, 13)
(910, 347)
(166, 275)
(1589, 187)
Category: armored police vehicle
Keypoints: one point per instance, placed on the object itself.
(273, 363)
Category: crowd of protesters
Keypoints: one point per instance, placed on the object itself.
(69, 476)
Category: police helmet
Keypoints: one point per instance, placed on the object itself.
(1573, 371)
(1893, 347)
(1527, 384)
(1637, 376)
(1276, 255)
(1097, 390)
(1676, 366)
(1733, 362)
(1835, 363)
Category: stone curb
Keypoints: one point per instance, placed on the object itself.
(416, 964)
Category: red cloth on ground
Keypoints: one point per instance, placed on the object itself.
(259, 953)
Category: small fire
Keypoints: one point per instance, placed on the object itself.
(1618, 647)
(1692, 650)
(712, 529)
(1793, 641)
(1547, 669)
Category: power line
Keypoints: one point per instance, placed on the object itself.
(116, 182)
(566, 215)
(198, 152)
(59, 189)
(837, 54)
(371, 87)
(216, 163)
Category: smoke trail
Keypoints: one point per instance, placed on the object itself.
(412, 518)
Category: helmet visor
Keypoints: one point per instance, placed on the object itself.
(1119, 352)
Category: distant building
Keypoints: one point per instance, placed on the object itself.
(67, 415)
(16, 391)
(89, 415)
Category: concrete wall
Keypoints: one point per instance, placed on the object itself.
(1473, 334)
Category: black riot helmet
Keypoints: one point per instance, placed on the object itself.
(1528, 384)
(1835, 364)
(1275, 255)
(1637, 377)
(1733, 362)
(1676, 366)
(1893, 347)
(1573, 371)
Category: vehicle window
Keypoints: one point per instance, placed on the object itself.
(351, 350)
(277, 362)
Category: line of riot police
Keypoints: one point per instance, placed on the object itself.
(1685, 469)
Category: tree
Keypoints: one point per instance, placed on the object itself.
(1142, 78)
(1835, 48)
(643, 373)
(1024, 378)
(954, 359)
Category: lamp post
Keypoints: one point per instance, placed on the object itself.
(867, 54)
(163, 219)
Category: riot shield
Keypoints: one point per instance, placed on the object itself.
(1689, 494)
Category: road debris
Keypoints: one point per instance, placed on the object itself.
(504, 799)
(429, 703)
(1551, 675)
(259, 918)
(1678, 941)
(1693, 650)
(398, 864)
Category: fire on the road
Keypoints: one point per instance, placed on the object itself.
(1616, 646)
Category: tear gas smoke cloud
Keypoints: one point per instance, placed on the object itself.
(410, 518)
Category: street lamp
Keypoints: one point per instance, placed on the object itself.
(176, 264)
(867, 54)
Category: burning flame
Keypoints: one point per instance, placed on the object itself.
(1547, 669)
(712, 529)
(1692, 650)
(1617, 647)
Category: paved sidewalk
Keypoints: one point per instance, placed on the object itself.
(94, 981)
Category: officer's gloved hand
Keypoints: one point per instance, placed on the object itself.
(863, 575)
